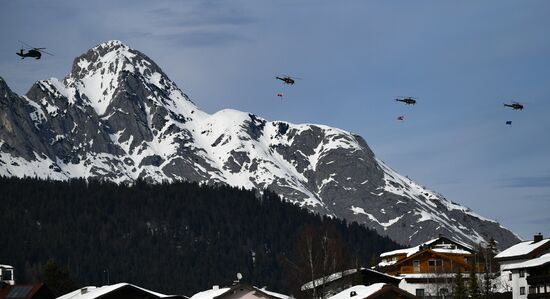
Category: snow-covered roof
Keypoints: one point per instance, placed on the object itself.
(410, 251)
(331, 277)
(92, 292)
(6, 266)
(360, 290)
(430, 275)
(539, 261)
(454, 251)
(215, 292)
(407, 251)
(210, 294)
(339, 275)
(273, 294)
(521, 249)
(386, 263)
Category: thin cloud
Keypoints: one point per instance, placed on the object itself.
(200, 24)
(202, 38)
(527, 182)
(540, 221)
(200, 17)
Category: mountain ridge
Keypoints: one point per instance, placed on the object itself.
(117, 116)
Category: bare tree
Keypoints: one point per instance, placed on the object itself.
(318, 254)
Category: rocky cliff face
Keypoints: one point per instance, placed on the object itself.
(117, 116)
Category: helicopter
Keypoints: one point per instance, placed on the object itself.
(287, 79)
(31, 52)
(407, 100)
(515, 106)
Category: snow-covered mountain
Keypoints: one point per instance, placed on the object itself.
(117, 116)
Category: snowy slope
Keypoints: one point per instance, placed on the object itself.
(117, 116)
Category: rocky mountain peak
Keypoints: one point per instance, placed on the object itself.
(118, 117)
(101, 58)
(4, 89)
(113, 72)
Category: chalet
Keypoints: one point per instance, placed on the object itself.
(238, 291)
(335, 283)
(374, 291)
(116, 291)
(32, 291)
(536, 275)
(524, 268)
(429, 268)
(10, 290)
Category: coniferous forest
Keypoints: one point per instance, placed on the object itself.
(174, 238)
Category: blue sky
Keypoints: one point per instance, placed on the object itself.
(461, 59)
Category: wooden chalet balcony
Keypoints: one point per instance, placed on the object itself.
(423, 269)
(538, 279)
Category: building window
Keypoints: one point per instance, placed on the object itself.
(522, 290)
(510, 276)
(521, 273)
(435, 265)
(420, 293)
(416, 267)
(6, 274)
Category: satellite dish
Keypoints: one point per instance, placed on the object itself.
(239, 276)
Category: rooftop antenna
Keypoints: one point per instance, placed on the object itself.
(106, 271)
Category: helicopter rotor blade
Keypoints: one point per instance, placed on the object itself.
(292, 77)
(29, 47)
(45, 52)
(24, 43)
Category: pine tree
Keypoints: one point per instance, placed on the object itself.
(487, 289)
(168, 228)
(57, 278)
(473, 285)
(459, 290)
